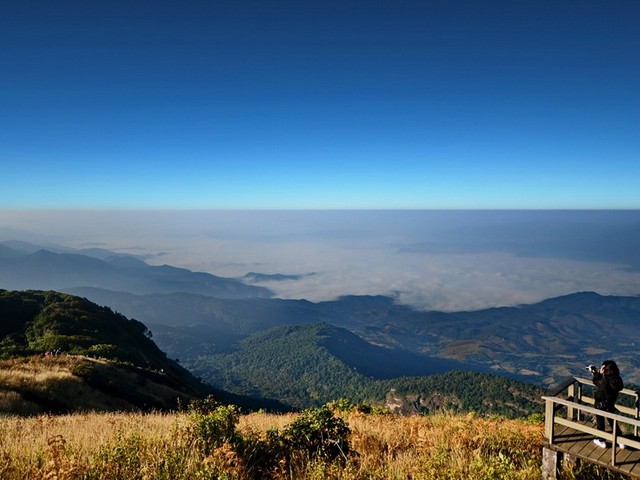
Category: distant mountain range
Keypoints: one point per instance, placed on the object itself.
(23, 267)
(208, 321)
(541, 343)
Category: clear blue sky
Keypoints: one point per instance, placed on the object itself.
(319, 104)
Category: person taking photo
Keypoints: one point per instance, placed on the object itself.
(608, 383)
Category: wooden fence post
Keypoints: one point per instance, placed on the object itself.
(548, 420)
(550, 464)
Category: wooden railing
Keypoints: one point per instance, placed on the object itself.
(578, 404)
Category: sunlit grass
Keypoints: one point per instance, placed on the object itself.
(163, 446)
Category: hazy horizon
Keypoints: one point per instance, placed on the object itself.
(436, 260)
(119, 117)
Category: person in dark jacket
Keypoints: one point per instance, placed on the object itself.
(608, 383)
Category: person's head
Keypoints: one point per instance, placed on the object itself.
(609, 367)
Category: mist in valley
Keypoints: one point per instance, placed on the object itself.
(431, 260)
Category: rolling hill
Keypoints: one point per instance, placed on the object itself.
(61, 353)
(310, 365)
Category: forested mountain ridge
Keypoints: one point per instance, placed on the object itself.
(309, 365)
(64, 353)
(53, 343)
(543, 342)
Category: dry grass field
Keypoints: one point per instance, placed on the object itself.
(33, 384)
(166, 446)
(129, 446)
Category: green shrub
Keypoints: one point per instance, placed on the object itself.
(216, 427)
(10, 347)
(105, 350)
(315, 435)
(204, 406)
(319, 434)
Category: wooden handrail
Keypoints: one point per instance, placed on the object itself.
(592, 410)
(624, 391)
(579, 403)
(577, 394)
(562, 386)
(551, 419)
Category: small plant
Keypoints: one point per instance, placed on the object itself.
(215, 427)
(62, 465)
(342, 405)
(318, 433)
(204, 406)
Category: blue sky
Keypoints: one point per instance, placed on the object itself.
(351, 104)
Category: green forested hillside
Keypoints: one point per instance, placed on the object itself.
(35, 322)
(284, 363)
(542, 343)
(464, 391)
(285, 367)
(295, 365)
(52, 344)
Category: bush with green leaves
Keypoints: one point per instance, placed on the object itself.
(319, 434)
(316, 435)
(216, 427)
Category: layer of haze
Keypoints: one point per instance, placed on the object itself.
(442, 260)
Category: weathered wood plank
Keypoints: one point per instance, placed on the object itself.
(580, 444)
(566, 430)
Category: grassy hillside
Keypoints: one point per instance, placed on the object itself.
(67, 383)
(62, 353)
(298, 365)
(221, 444)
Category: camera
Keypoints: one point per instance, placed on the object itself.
(591, 368)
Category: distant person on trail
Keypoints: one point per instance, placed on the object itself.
(608, 383)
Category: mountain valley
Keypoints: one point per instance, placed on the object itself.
(297, 353)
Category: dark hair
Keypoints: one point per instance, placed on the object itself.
(610, 368)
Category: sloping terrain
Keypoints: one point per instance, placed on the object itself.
(47, 270)
(201, 321)
(303, 366)
(543, 342)
(66, 383)
(64, 353)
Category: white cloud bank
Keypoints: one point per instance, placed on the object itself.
(430, 260)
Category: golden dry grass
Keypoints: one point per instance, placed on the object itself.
(447, 446)
(28, 371)
(35, 384)
(31, 446)
(35, 375)
(160, 446)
